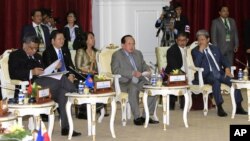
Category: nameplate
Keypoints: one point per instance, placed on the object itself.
(43, 96)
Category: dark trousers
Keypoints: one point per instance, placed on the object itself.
(216, 87)
(58, 88)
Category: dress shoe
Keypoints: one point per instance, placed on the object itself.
(241, 111)
(151, 121)
(221, 112)
(138, 121)
(65, 132)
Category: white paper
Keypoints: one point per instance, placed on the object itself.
(146, 73)
(56, 75)
(50, 68)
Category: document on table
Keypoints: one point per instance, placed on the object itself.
(48, 72)
(146, 74)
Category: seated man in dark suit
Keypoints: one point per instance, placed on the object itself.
(57, 51)
(176, 59)
(129, 63)
(216, 71)
(26, 64)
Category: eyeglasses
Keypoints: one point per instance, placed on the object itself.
(33, 48)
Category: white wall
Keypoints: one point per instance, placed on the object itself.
(113, 19)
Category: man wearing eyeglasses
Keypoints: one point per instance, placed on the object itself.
(26, 64)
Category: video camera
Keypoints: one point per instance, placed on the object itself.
(169, 12)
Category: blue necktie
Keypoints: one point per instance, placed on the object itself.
(60, 56)
(212, 65)
(132, 61)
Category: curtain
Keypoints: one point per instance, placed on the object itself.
(200, 14)
(17, 13)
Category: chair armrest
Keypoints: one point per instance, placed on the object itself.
(232, 69)
(117, 84)
(200, 70)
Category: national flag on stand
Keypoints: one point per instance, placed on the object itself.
(42, 134)
(89, 82)
(29, 90)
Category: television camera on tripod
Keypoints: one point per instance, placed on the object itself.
(170, 23)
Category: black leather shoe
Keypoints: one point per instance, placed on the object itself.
(241, 111)
(65, 132)
(138, 121)
(221, 112)
(106, 115)
(151, 121)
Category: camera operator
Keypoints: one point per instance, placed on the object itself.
(171, 22)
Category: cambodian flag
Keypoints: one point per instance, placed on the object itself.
(42, 134)
(89, 81)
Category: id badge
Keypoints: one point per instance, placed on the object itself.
(70, 45)
(228, 38)
(41, 47)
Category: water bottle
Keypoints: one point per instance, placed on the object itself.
(80, 87)
(159, 80)
(153, 79)
(20, 97)
(240, 74)
(245, 74)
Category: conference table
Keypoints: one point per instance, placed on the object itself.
(21, 110)
(240, 84)
(91, 100)
(165, 92)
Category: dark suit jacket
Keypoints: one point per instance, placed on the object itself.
(179, 25)
(50, 56)
(20, 65)
(201, 61)
(30, 29)
(174, 59)
(78, 42)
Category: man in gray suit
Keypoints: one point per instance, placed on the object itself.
(224, 34)
(129, 63)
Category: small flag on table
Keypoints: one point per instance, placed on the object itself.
(89, 81)
(42, 134)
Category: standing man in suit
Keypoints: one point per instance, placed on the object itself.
(216, 70)
(129, 63)
(176, 59)
(224, 34)
(26, 64)
(38, 29)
